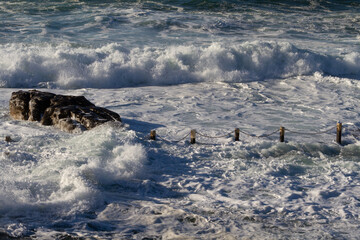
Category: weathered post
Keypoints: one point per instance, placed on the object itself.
(8, 139)
(237, 134)
(152, 135)
(338, 132)
(193, 136)
(282, 134)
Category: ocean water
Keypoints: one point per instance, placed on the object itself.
(174, 66)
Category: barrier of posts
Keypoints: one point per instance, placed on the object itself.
(193, 133)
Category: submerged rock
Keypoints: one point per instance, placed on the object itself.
(69, 113)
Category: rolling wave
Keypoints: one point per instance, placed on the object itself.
(112, 66)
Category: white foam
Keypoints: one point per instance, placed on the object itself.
(113, 66)
(113, 182)
(66, 175)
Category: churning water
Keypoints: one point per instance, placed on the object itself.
(173, 66)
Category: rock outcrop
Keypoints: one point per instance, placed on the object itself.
(69, 113)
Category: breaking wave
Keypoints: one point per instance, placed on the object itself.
(113, 66)
(68, 175)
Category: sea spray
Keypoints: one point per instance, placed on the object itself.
(113, 66)
(173, 66)
(65, 176)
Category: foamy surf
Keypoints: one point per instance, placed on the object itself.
(174, 66)
(114, 66)
(56, 174)
(113, 182)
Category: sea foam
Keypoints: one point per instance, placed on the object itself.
(114, 66)
(66, 176)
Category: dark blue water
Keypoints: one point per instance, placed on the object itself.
(144, 23)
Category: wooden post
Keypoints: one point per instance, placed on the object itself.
(192, 136)
(282, 134)
(237, 134)
(152, 135)
(338, 132)
(8, 139)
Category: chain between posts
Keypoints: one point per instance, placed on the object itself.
(268, 135)
(356, 137)
(261, 136)
(237, 131)
(175, 141)
(311, 133)
(207, 136)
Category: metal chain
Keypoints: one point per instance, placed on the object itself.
(355, 137)
(248, 134)
(352, 133)
(261, 136)
(175, 141)
(252, 135)
(307, 133)
(268, 135)
(207, 136)
(351, 124)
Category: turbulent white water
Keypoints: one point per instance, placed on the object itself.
(173, 66)
(114, 66)
(113, 182)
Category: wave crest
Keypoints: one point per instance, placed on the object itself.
(113, 66)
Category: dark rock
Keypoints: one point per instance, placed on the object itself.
(65, 112)
(19, 105)
(39, 101)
